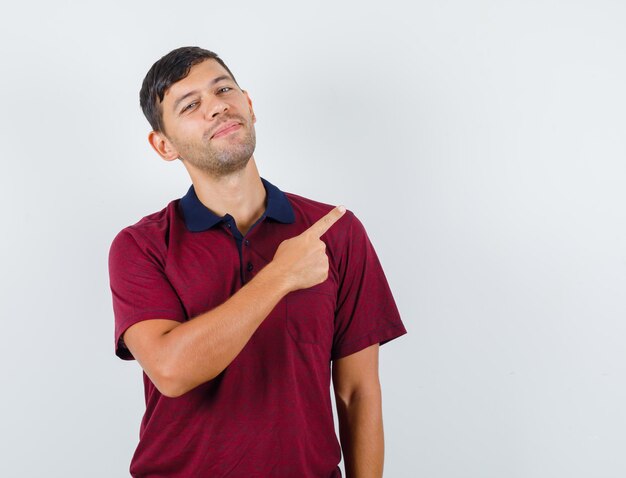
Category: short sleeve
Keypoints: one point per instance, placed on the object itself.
(139, 286)
(366, 311)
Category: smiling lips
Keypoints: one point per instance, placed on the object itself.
(226, 128)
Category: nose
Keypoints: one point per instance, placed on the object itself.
(218, 107)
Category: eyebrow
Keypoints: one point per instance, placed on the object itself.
(193, 92)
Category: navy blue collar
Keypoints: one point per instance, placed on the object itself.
(199, 218)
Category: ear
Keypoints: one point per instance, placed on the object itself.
(250, 106)
(162, 146)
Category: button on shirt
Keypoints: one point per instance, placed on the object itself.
(269, 412)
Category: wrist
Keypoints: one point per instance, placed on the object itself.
(275, 278)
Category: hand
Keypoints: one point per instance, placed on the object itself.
(301, 261)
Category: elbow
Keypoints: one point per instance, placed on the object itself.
(172, 383)
(170, 390)
(169, 382)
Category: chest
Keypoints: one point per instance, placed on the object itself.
(206, 269)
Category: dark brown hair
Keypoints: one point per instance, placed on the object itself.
(164, 73)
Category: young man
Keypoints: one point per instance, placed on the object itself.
(238, 297)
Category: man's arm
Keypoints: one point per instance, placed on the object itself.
(359, 409)
(178, 357)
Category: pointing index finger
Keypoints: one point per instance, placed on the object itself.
(322, 225)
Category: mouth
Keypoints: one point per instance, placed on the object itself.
(226, 129)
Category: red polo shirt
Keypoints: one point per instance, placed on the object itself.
(268, 414)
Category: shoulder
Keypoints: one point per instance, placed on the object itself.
(308, 206)
(151, 234)
(309, 211)
(344, 233)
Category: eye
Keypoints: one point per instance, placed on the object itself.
(189, 106)
(224, 89)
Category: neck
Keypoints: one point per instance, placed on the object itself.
(240, 194)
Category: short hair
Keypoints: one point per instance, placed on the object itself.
(164, 73)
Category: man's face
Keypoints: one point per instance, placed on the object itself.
(209, 121)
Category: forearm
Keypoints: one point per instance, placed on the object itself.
(198, 350)
(361, 434)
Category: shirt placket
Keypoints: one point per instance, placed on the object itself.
(248, 265)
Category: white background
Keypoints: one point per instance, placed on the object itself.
(482, 144)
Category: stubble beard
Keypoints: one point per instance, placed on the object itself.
(223, 160)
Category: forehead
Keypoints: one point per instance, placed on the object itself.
(199, 77)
